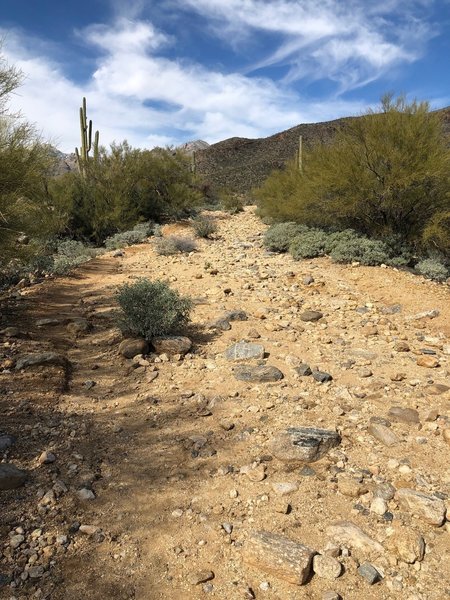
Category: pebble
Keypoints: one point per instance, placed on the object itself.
(259, 374)
(198, 577)
(370, 574)
(404, 415)
(322, 376)
(326, 567)
(311, 316)
(383, 434)
(46, 458)
(378, 506)
(331, 595)
(285, 488)
(85, 494)
(428, 361)
(349, 534)
(244, 351)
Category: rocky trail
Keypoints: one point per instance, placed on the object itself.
(299, 449)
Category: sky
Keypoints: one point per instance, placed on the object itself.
(160, 73)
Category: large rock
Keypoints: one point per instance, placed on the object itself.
(408, 544)
(346, 533)
(11, 477)
(428, 508)
(172, 344)
(304, 444)
(260, 374)
(41, 358)
(6, 441)
(244, 351)
(279, 556)
(132, 347)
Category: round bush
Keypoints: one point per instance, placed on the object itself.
(433, 269)
(365, 251)
(152, 308)
(173, 244)
(279, 236)
(310, 244)
(204, 228)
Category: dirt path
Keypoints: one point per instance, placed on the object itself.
(164, 446)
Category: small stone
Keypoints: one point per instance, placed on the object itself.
(36, 572)
(285, 488)
(383, 434)
(219, 324)
(308, 280)
(85, 494)
(331, 595)
(398, 377)
(226, 424)
(255, 474)
(11, 477)
(386, 490)
(227, 527)
(304, 444)
(326, 567)
(404, 415)
(264, 586)
(47, 322)
(16, 540)
(89, 530)
(365, 373)
(351, 486)
(89, 384)
(236, 315)
(436, 389)
(259, 374)
(200, 577)
(253, 334)
(378, 506)
(427, 361)
(78, 326)
(177, 513)
(402, 347)
(245, 351)
(348, 534)
(303, 370)
(370, 574)
(172, 344)
(322, 376)
(311, 316)
(409, 545)
(446, 435)
(46, 458)
(130, 348)
(6, 441)
(279, 556)
(428, 508)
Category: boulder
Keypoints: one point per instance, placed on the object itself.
(11, 477)
(172, 344)
(244, 351)
(132, 347)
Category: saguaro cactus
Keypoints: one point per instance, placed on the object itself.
(86, 141)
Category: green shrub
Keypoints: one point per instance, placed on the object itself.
(383, 173)
(360, 249)
(230, 202)
(433, 269)
(126, 238)
(152, 308)
(204, 227)
(278, 237)
(310, 244)
(174, 244)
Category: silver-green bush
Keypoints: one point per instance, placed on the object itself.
(152, 308)
(278, 237)
(310, 244)
(204, 227)
(360, 249)
(174, 244)
(433, 269)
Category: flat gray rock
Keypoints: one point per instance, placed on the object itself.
(244, 351)
(11, 477)
(404, 415)
(41, 358)
(311, 316)
(259, 374)
(304, 444)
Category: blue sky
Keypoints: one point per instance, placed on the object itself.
(166, 72)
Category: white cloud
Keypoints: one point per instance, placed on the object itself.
(324, 40)
(135, 92)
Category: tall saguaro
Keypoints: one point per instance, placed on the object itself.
(83, 157)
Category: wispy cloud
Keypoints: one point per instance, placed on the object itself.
(137, 94)
(350, 43)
